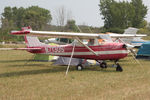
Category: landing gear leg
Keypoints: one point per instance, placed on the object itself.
(118, 67)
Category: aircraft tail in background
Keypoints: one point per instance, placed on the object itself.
(131, 31)
(135, 41)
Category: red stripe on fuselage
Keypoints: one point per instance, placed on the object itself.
(105, 47)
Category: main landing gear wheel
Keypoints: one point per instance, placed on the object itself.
(79, 67)
(119, 68)
(103, 65)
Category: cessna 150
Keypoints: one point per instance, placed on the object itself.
(95, 50)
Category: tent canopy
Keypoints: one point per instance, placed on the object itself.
(144, 51)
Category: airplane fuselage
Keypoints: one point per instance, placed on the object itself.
(106, 51)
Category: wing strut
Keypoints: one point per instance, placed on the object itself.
(87, 46)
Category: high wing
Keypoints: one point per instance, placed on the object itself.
(58, 34)
(72, 34)
(115, 35)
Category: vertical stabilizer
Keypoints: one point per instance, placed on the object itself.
(131, 30)
(32, 41)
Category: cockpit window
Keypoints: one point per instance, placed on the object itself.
(91, 42)
(105, 37)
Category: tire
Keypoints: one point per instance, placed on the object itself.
(103, 65)
(79, 67)
(119, 68)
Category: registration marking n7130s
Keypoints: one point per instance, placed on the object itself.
(54, 49)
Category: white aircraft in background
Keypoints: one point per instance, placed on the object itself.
(136, 41)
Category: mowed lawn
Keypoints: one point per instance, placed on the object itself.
(22, 80)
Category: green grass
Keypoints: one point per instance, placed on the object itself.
(22, 80)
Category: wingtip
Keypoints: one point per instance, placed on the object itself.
(20, 33)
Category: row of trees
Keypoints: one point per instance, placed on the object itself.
(123, 14)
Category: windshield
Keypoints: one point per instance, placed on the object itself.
(105, 37)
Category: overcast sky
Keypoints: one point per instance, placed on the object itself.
(83, 11)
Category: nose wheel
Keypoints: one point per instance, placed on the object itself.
(118, 67)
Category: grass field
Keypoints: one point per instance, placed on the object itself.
(20, 80)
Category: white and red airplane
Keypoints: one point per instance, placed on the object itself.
(95, 50)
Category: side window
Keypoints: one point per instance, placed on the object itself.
(91, 42)
(65, 40)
